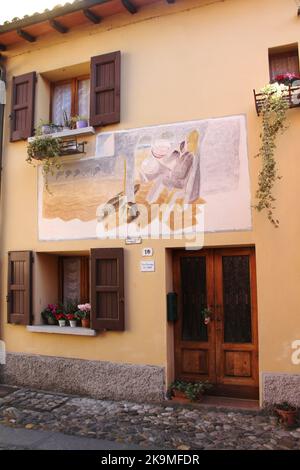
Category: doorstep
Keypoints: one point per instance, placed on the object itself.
(209, 401)
(61, 330)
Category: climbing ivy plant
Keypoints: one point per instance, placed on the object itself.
(274, 117)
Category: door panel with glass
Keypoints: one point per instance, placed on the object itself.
(218, 285)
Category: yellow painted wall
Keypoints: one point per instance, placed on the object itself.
(192, 60)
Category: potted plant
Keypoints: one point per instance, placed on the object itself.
(45, 128)
(48, 314)
(188, 391)
(287, 78)
(287, 413)
(60, 317)
(274, 116)
(70, 309)
(72, 319)
(83, 314)
(206, 315)
(68, 121)
(81, 122)
(47, 149)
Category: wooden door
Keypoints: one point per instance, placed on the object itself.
(194, 341)
(225, 352)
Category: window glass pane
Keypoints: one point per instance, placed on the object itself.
(62, 101)
(71, 279)
(84, 98)
(237, 299)
(193, 281)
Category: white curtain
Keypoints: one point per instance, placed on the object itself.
(62, 101)
(84, 98)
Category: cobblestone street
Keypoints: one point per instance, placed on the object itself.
(153, 426)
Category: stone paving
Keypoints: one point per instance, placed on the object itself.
(155, 426)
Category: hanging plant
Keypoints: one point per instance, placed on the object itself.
(274, 116)
(46, 149)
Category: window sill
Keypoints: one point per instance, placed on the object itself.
(69, 133)
(61, 330)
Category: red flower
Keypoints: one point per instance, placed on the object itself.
(59, 316)
(70, 316)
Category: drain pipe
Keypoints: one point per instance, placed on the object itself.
(2, 105)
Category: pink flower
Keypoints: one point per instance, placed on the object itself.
(84, 307)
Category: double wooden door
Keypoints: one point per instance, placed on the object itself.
(224, 351)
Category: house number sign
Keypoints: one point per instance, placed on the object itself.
(147, 252)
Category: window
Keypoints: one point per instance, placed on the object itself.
(71, 97)
(283, 60)
(97, 100)
(74, 279)
(96, 277)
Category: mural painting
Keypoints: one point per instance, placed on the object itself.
(202, 165)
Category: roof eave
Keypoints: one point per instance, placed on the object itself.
(50, 15)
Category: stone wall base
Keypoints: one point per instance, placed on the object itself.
(97, 379)
(278, 388)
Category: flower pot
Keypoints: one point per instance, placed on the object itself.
(179, 397)
(62, 322)
(81, 124)
(85, 322)
(46, 129)
(73, 323)
(51, 321)
(288, 418)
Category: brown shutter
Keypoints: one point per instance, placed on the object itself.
(22, 108)
(19, 287)
(107, 289)
(105, 89)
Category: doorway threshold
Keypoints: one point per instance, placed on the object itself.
(218, 402)
(229, 402)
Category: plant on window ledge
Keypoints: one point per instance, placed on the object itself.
(80, 122)
(287, 79)
(46, 149)
(83, 314)
(273, 113)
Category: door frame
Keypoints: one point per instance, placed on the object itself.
(234, 387)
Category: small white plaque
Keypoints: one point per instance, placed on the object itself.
(148, 251)
(147, 266)
(133, 241)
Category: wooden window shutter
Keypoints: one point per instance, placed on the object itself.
(105, 89)
(107, 289)
(19, 287)
(22, 108)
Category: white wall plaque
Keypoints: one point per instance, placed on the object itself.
(148, 251)
(147, 266)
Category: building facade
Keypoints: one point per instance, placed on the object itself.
(166, 88)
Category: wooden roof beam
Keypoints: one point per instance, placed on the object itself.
(60, 28)
(90, 15)
(25, 35)
(129, 5)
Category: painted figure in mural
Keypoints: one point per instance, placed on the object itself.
(177, 170)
